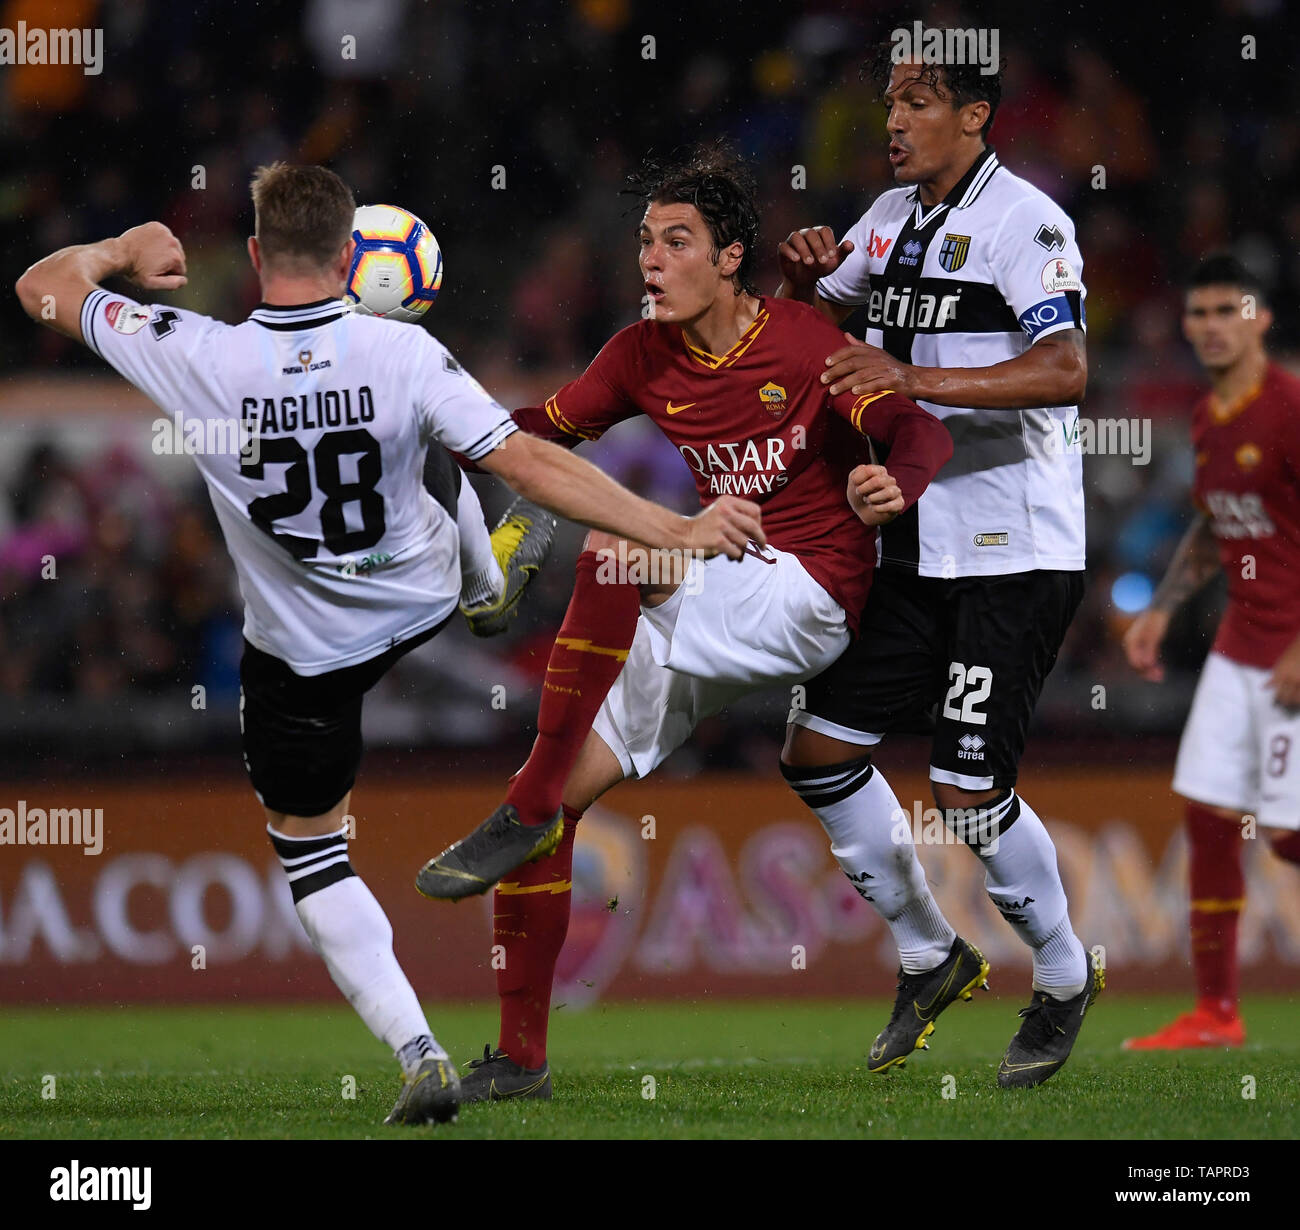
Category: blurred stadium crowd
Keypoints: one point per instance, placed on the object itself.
(1163, 139)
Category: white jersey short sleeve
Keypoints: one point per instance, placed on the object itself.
(309, 425)
(1039, 269)
(455, 409)
(850, 284)
(153, 346)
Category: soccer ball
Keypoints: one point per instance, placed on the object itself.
(397, 266)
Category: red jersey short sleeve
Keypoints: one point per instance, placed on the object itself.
(586, 408)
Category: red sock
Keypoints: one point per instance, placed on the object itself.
(1218, 894)
(530, 919)
(587, 657)
(1287, 846)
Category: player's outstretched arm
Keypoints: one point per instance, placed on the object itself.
(53, 290)
(1052, 372)
(571, 487)
(1195, 561)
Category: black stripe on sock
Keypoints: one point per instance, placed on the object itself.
(306, 885)
(316, 860)
(977, 829)
(300, 847)
(845, 779)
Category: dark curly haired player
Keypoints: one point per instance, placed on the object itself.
(970, 279)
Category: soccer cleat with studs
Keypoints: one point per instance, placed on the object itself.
(520, 543)
(1048, 1030)
(494, 849)
(920, 999)
(497, 1078)
(431, 1094)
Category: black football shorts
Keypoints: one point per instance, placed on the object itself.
(302, 733)
(964, 658)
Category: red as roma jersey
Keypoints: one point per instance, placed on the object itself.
(1248, 484)
(756, 422)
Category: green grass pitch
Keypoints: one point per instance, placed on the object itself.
(720, 1070)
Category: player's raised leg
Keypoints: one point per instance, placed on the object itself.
(516, 549)
(587, 656)
(531, 907)
(650, 710)
(495, 567)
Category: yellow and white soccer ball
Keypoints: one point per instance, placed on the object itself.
(397, 266)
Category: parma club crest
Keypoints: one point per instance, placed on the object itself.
(953, 252)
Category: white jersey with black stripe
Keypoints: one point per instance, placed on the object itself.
(973, 281)
(309, 425)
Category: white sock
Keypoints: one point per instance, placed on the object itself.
(860, 814)
(923, 935)
(481, 576)
(415, 1052)
(1023, 882)
(1058, 962)
(353, 936)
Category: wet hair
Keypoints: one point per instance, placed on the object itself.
(961, 84)
(303, 214)
(720, 184)
(1224, 269)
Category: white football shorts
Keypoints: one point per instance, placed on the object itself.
(1240, 749)
(730, 628)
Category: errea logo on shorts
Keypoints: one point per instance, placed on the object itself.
(971, 747)
(998, 538)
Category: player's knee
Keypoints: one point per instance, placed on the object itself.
(807, 749)
(307, 826)
(596, 770)
(952, 798)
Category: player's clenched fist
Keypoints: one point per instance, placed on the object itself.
(810, 254)
(1142, 643)
(874, 495)
(153, 257)
(726, 527)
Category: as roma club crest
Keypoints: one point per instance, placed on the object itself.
(772, 395)
(1248, 456)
